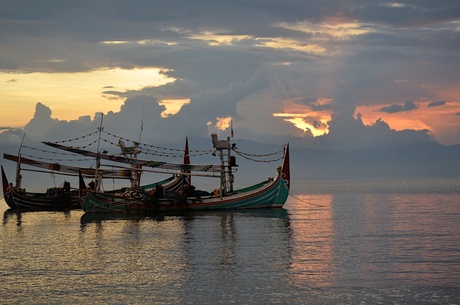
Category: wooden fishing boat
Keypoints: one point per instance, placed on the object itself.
(270, 193)
(56, 198)
(66, 198)
(63, 197)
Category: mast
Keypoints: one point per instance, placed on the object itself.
(98, 158)
(188, 178)
(18, 165)
(131, 152)
(142, 124)
(226, 175)
(229, 168)
(223, 180)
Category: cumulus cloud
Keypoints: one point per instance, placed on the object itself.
(41, 121)
(140, 118)
(350, 133)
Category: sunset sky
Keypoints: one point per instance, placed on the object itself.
(329, 73)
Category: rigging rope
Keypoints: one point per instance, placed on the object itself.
(156, 147)
(247, 156)
(155, 152)
(51, 152)
(84, 146)
(74, 139)
(317, 205)
(258, 155)
(50, 159)
(166, 152)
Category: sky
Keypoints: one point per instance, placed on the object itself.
(322, 74)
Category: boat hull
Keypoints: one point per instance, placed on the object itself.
(269, 194)
(54, 199)
(57, 199)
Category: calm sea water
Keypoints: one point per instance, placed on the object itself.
(336, 242)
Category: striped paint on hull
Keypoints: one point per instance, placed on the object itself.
(61, 201)
(19, 199)
(272, 193)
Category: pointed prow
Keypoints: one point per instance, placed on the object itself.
(4, 183)
(286, 172)
(81, 187)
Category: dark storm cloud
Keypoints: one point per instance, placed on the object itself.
(314, 104)
(408, 13)
(407, 106)
(438, 103)
(306, 101)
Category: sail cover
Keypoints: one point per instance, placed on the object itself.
(138, 162)
(56, 167)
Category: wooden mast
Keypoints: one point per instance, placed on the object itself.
(18, 165)
(98, 159)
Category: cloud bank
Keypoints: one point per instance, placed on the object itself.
(140, 117)
(312, 63)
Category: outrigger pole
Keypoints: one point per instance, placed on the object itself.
(98, 159)
(18, 165)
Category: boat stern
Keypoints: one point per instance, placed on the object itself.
(7, 191)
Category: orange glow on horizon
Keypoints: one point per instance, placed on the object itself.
(435, 119)
(306, 119)
(299, 121)
(71, 95)
(173, 106)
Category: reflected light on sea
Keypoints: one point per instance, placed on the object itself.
(312, 247)
(336, 243)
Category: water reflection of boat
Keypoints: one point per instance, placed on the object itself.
(11, 214)
(88, 218)
(258, 213)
